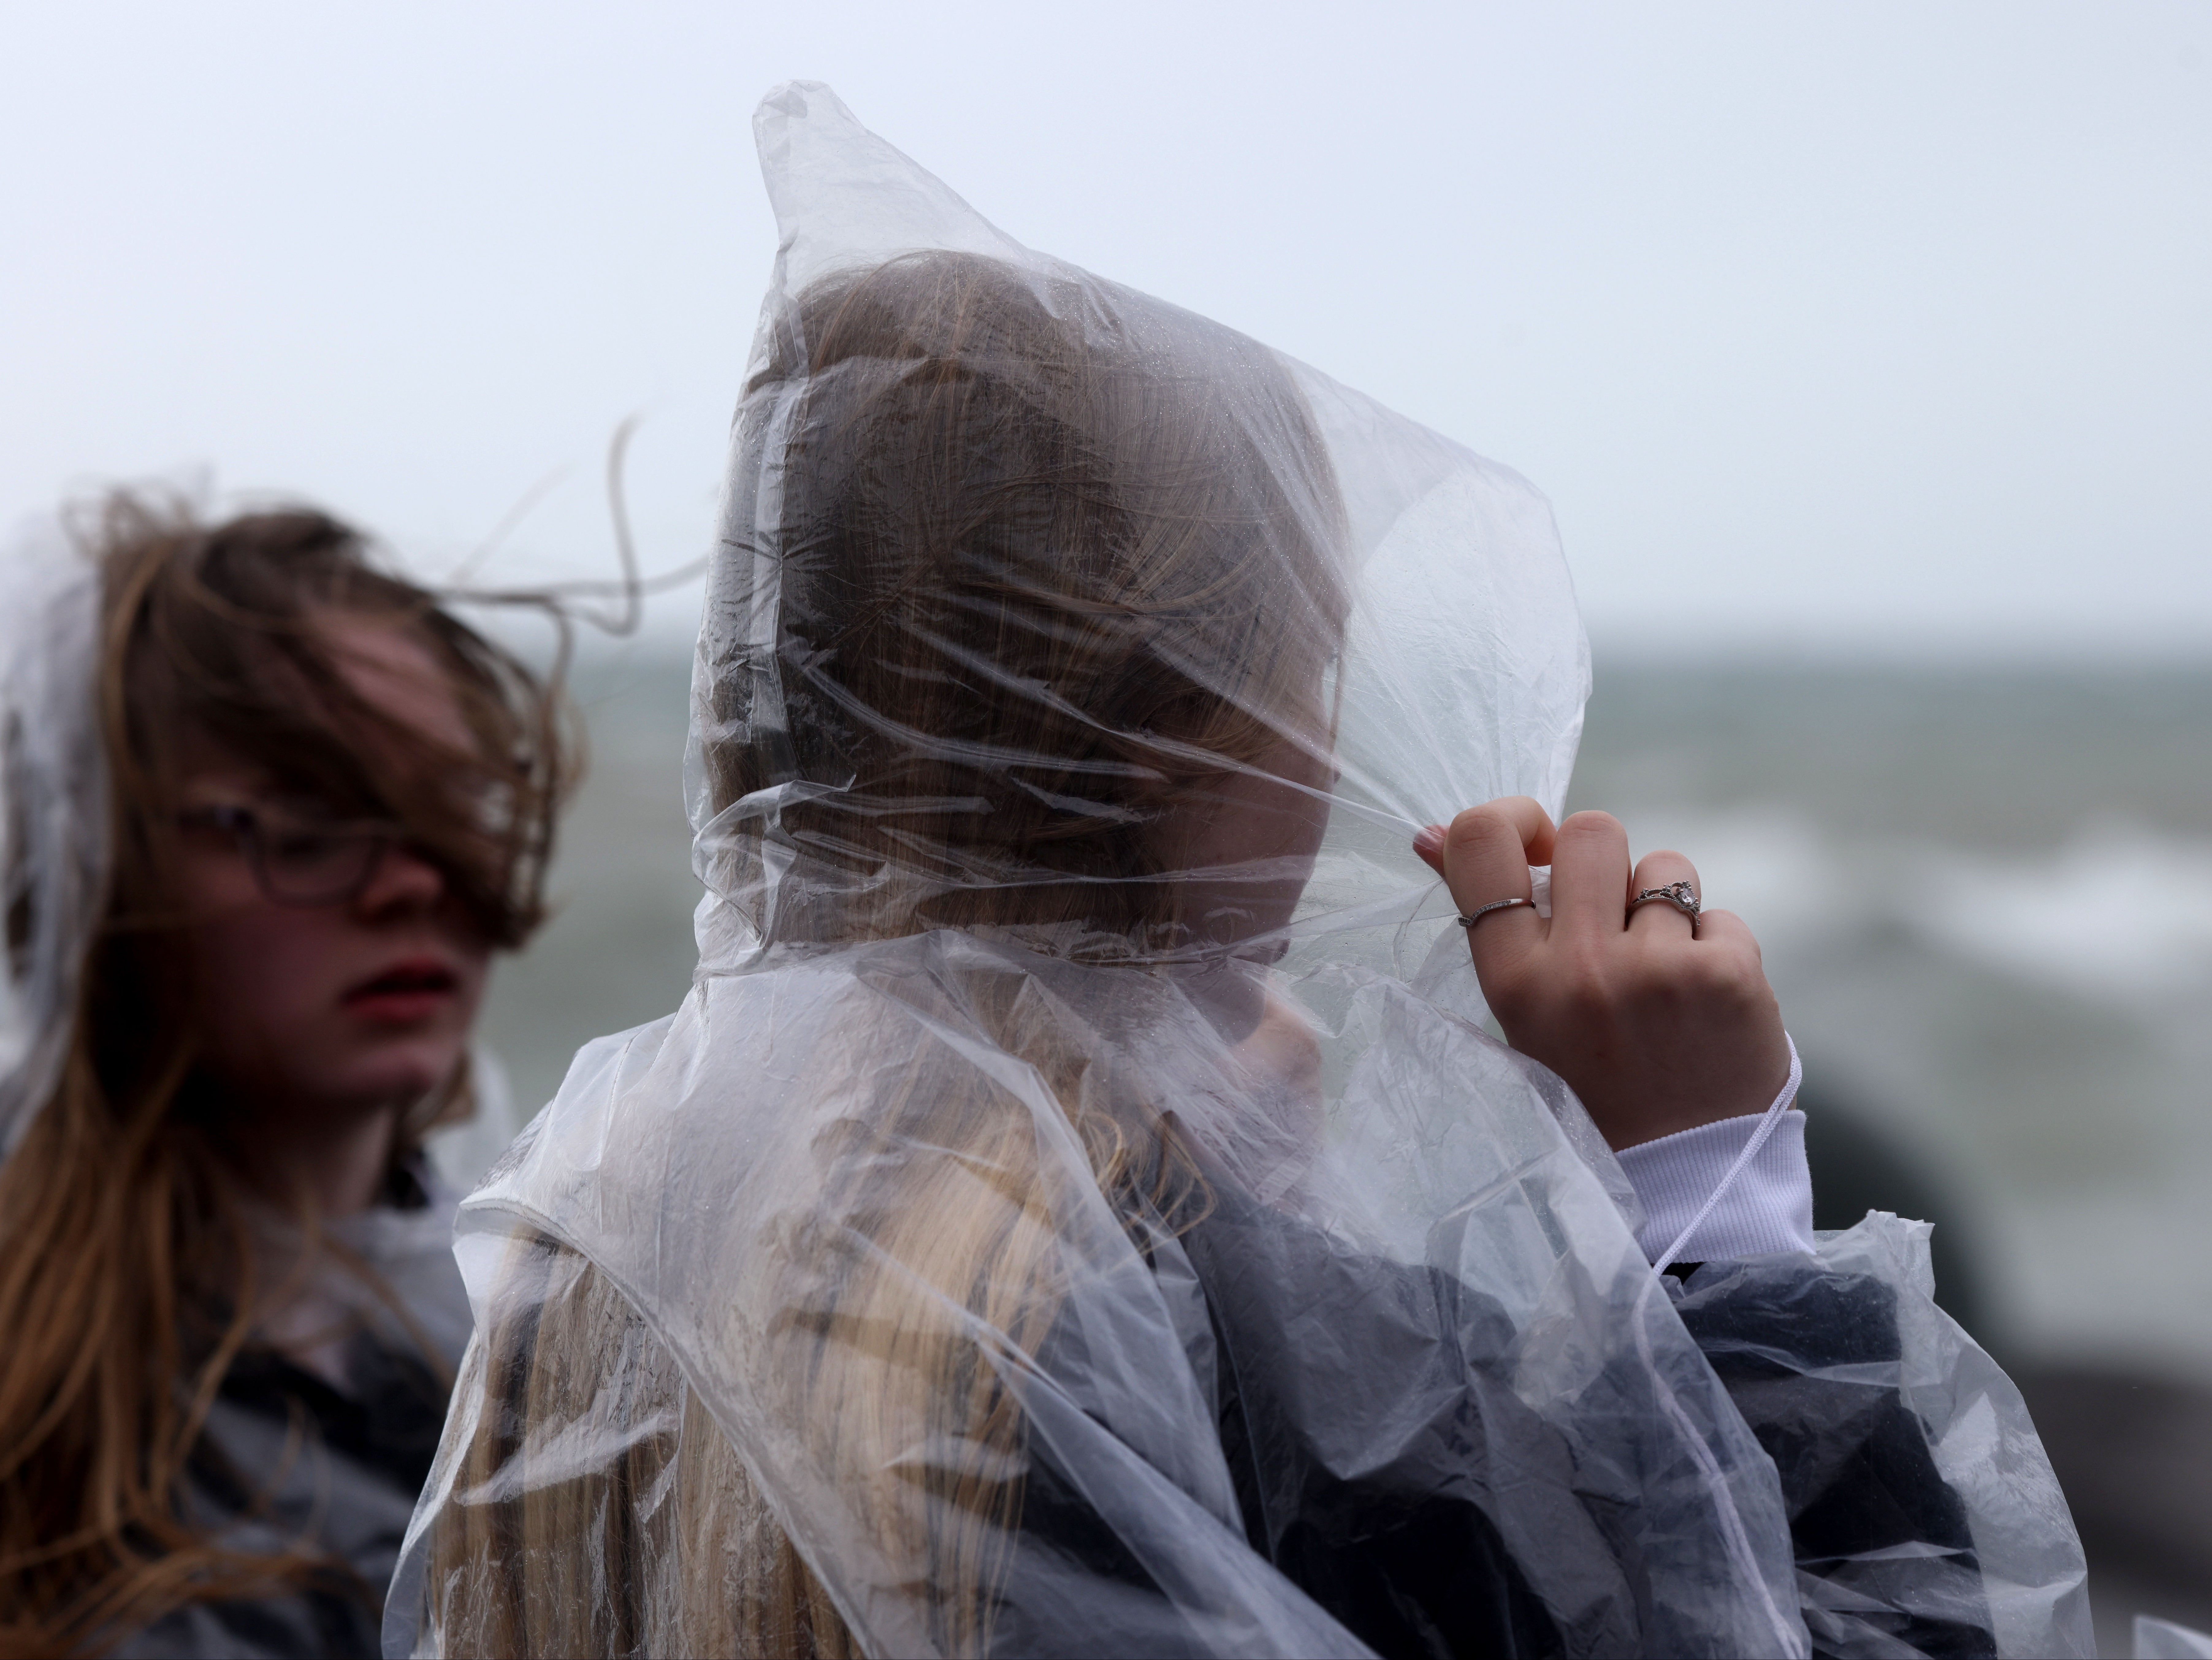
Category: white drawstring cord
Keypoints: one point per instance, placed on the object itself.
(1766, 1128)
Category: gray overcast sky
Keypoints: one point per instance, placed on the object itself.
(1823, 326)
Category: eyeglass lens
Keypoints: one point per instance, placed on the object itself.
(305, 866)
(299, 862)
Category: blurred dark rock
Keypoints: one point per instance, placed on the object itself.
(2134, 1453)
(1856, 1168)
(2134, 1456)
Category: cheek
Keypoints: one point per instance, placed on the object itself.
(1254, 819)
(258, 970)
(475, 963)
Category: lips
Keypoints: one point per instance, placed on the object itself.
(406, 990)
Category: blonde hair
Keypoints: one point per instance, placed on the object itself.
(1094, 551)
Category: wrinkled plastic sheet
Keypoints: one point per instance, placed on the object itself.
(1958, 1539)
(1078, 1208)
(53, 810)
(2162, 1640)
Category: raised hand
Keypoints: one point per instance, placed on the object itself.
(1658, 1022)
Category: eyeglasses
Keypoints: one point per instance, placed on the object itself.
(300, 861)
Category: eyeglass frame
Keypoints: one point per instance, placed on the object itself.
(248, 829)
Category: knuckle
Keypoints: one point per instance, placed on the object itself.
(1728, 928)
(1668, 980)
(1665, 996)
(1591, 822)
(1735, 981)
(1477, 828)
(1725, 998)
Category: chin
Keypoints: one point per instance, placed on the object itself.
(408, 1076)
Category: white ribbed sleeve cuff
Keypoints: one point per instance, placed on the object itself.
(1768, 1208)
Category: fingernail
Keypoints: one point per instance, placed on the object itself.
(1429, 840)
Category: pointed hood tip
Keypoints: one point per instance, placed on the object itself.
(799, 98)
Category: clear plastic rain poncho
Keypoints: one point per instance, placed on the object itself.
(53, 811)
(1078, 1208)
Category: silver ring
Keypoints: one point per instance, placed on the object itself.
(1681, 894)
(1468, 919)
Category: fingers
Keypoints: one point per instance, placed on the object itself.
(1590, 876)
(1529, 818)
(1485, 855)
(1657, 917)
(1735, 976)
(1725, 927)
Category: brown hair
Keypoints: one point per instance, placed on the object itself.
(127, 1264)
(1042, 569)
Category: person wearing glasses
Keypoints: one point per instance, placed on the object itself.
(269, 812)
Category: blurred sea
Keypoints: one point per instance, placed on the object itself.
(1985, 900)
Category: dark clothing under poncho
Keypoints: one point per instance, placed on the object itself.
(1369, 1427)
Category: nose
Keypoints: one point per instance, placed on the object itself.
(402, 879)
